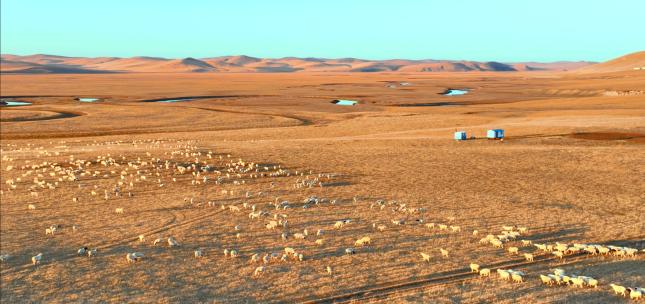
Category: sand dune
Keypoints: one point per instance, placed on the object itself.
(61, 64)
(633, 61)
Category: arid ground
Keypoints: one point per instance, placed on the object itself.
(571, 170)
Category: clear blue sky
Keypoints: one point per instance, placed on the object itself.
(504, 30)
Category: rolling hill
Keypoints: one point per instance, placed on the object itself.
(38, 64)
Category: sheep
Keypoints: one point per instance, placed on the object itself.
(255, 258)
(517, 276)
(504, 274)
(35, 260)
(49, 231)
(635, 293)
(199, 253)
(289, 250)
(4, 258)
(259, 270)
(320, 242)
(526, 243)
(31, 207)
(81, 251)
(559, 254)
(619, 289)
(156, 241)
(546, 280)
(475, 232)
(484, 272)
(266, 259)
(118, 210)
(443, 227)
(444, 252)
(577, 282)
(130, 258)
(558, 271)
(328, 269)
(299, 236)
(398, 222)
(142, 238)
(363, 241)
(234, 253)
(455, 228)
(430, 225)
(513, 250)
(350, 251)
(528, 257)
(91, 253)
(425, 257)
(172, 242)
(226, 251)
(591, 282)
(474, 267)
(301, 257)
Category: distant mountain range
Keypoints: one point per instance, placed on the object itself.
(43, 64)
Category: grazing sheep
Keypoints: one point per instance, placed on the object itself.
(320, 232)
(234, 253)
(118, 210)
(4, 258)
(444, 252)
(301, 257)
(31, 207)
(266, 259)
(475, 232)
(546, 280)
(455, 228)
(528, 257)
(299, 236)
(559, 254)
(513, 250)
(619, 289)
(430, 225)
(517, 277)
(328, 269)
(49, 231)
(258, 271)
(591, 282)
(526, 243)
(504, 274)
(255, 258)
(443, 227)
(199, 253)
(398, 222)
(35, 260)
(289, 250)
(172, 242)
(142, 238)
(577, 282)
(558, 271)
(350, 251)
(320, 242)
(156, 241)
(635, 293)
(474, 267)
(91, 253)
(425, 257)
(484, 272)
(82, 251)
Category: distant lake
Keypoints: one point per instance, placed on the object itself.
(454, 92)
(344, 102)
(13, 103)
(87, 99)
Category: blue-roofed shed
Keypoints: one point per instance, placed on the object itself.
(495, 134)
(460, 135)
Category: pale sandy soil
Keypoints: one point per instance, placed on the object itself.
(571, 170)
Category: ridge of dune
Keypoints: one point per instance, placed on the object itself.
(43, 63)
(629, 62)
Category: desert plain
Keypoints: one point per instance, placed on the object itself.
(571, 169)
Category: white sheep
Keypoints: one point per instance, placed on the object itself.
(172, 242)
(81, 251)
(142, 238)
(91, 253)
(156, 241)
(35, 260)
(635, 293)
(31, 207)
(528, 257)
(119, 211)
(320, 242)
(484, 272)
(618, 289)
(350, 251)
(199, 253)
(289, 250)
(234, 253)
(474, 267)
(425, 257)
(546, 280)
(513, 250)
(328, 269)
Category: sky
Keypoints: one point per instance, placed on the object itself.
(499, 30)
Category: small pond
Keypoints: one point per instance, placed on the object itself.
(454, 92)
(87, 99)
(13, 103)
(344, 102)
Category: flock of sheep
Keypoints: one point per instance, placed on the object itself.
(188, 162)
